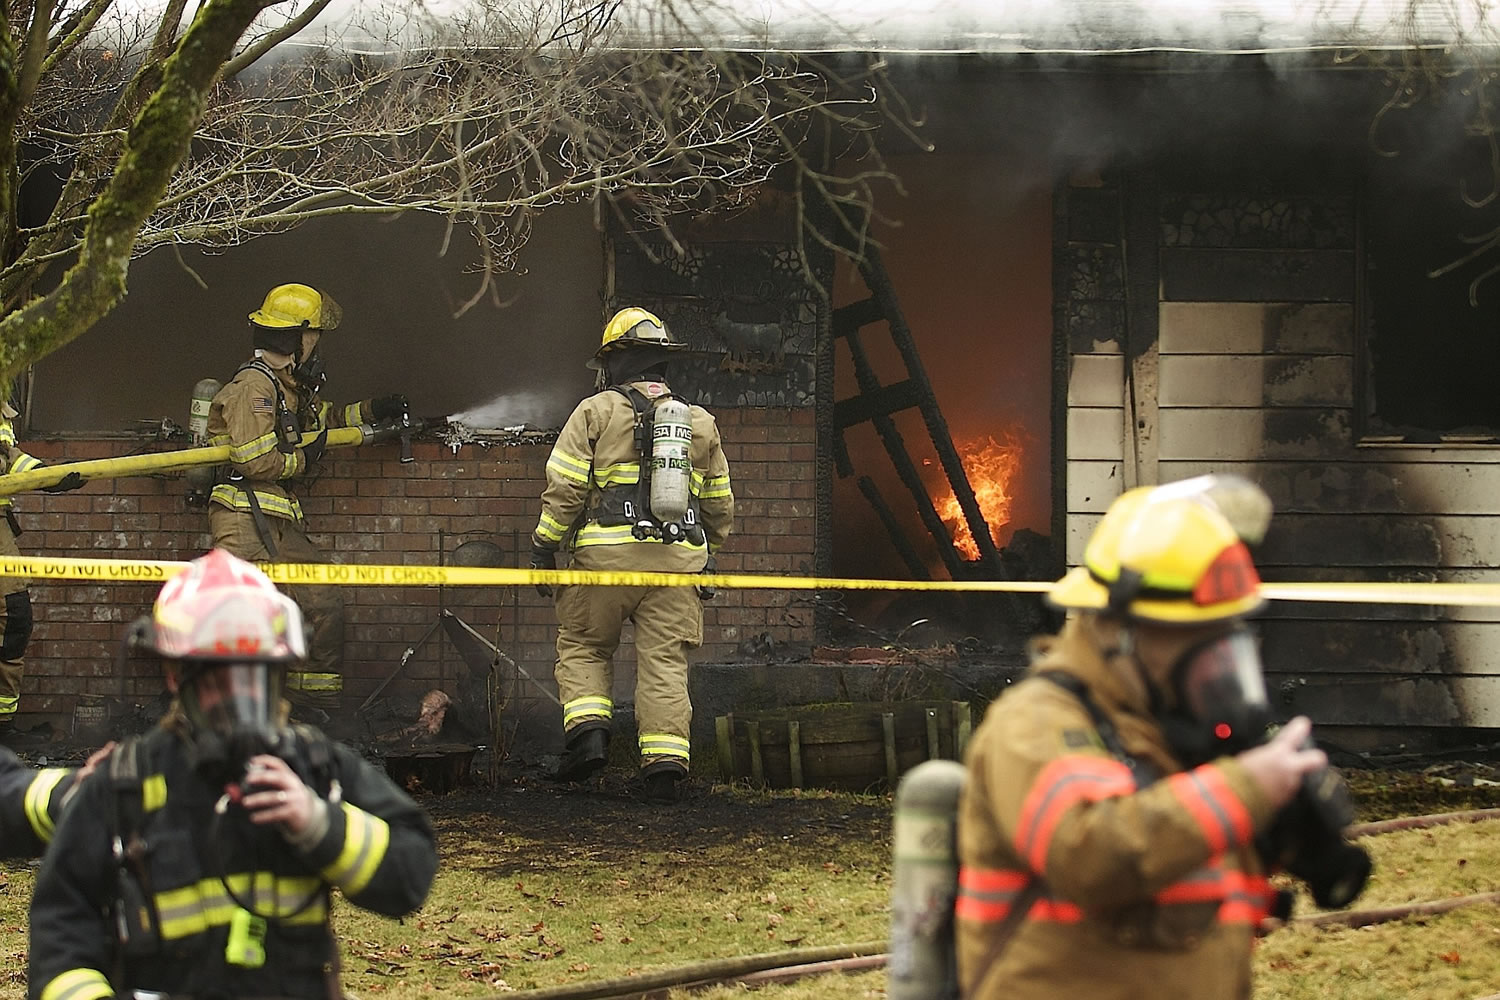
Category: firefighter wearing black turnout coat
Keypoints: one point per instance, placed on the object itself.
(232, 828)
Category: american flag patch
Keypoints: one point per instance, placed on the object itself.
(260, 404)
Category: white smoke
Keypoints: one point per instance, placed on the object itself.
(508, 410)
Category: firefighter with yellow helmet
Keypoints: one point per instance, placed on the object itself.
(262, 415)
(637, 481)
(1123, 801)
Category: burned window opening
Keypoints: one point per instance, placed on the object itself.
(1433, 317)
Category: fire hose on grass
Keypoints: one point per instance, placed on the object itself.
(771, 967)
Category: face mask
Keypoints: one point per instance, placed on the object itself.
(1221, 699)
(232, 711)
(310, 374)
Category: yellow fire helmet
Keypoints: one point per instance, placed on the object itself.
(1164, 557)
(631, 327)
(299, 306)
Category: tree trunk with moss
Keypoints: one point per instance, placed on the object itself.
(155, 144)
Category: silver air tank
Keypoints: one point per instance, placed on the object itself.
(924, 883)
(200, 478)
(203, 397)
(671, 461)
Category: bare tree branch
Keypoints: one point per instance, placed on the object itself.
(484, 118)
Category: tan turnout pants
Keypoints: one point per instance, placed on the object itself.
(319, 683)
(12, 669)
(668, 622)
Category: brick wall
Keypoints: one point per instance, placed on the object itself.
(367, 507)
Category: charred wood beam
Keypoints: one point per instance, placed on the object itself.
(873, 269)
(886, 400)
(898, 537)
(869, 384)
(847, 319)
(842, 463)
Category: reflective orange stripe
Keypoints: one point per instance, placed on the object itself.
(1248, 900)
(985, 895)
(1203, 885)
(992, 879)
(1055, 911)
(1207, 797)
(1063, 784)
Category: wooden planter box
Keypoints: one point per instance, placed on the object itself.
(852, 746)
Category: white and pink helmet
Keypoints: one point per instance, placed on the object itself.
(221, 608)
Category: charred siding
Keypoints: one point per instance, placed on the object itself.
(1258, 371)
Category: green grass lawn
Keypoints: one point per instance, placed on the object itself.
(542, 887)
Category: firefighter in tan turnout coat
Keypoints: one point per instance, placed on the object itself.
(18, 618)
(1095, 860)
(598, 506)
(262, 414)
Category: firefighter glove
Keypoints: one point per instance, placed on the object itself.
(71, 481)
(388, 407)
(313, 450)
(543, 558)
(708, 593)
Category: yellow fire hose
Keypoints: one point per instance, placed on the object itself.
(159, 461)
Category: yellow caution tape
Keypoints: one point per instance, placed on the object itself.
(44, 568)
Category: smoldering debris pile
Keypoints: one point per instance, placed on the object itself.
(455, 434)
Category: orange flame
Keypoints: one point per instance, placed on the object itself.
(990, 465)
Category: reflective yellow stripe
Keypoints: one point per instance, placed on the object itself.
(263, 445)
(153, 792)
(550, 528)
(39, 797)
(25, 463)
(351, 415)
(366, 838)
(9, 703)
(715, 487)
(568, 466)
(78, 984)
(620, 534)
(288, 466)
(308, 680)
(195, 908)
(588, 707)
(663, 745)
(7, 434)
(619, 474)
(231, 496)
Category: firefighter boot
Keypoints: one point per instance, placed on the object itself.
(588, 750)
(661, 780)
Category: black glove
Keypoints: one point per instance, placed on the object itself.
(313, 450)
(543, 558)
(71, 481)
(708, 593)
(388, 407)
